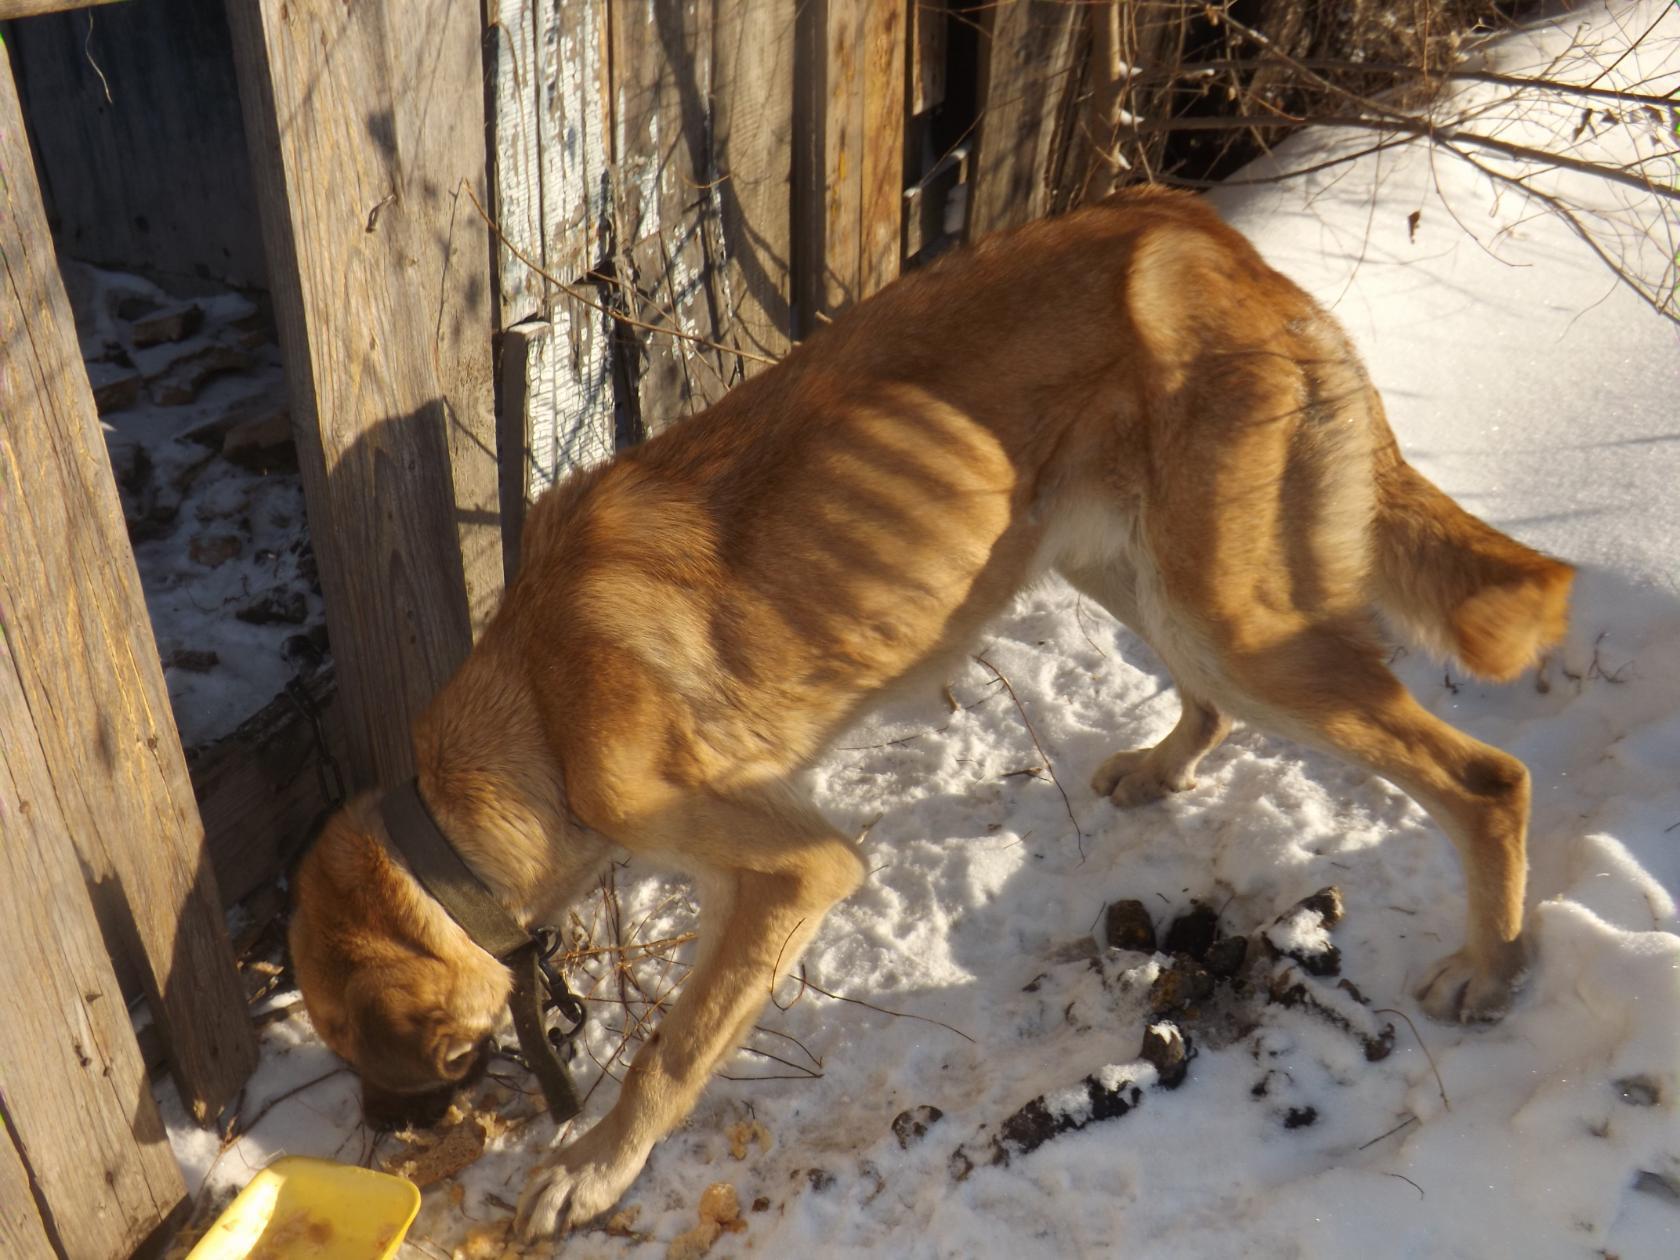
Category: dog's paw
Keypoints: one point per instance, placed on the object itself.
(581, 1185)
(1135, 777)
(1459, 991)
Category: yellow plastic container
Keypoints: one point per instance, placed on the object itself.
(313, 1209)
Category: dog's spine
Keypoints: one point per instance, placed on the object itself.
(1456, 586)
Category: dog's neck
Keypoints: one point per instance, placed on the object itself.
(495, 791)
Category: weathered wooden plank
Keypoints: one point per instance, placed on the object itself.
(929, 24)
(76, 624)
(78, 1109)
(881, 179)
(863, 150)
(1028, 64)
(437, 97)
(665, 216)
(133, 116)
(516, 155)
(33, 8)
(843, 141)
(574, 125)
(364, 231)
(21, 1232)
(752, 128)
(557, 417)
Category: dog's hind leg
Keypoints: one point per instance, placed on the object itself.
(772, 868)
(1140, 775)
(1327, 685)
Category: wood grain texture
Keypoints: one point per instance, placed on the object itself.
(77, 1101)
(862, 172)
(1029, 63)
(885, 44)
(929, 27)
(665, 213)
(555, 421)
(752, 128)
(516, 155)
(87, 666)
(21, 1232)
(363, 123)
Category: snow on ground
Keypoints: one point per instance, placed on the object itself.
(195, 419)
(1542, 396)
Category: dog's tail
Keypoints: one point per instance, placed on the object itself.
(1455, 585)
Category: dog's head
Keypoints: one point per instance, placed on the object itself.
(392, 983)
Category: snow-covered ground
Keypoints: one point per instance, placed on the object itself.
(195, 416)
(1539, 392)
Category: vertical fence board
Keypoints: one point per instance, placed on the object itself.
(928, 26)
(516, 155)
(862, 173)
(21, 1232)
(752, 177)
(363, 228)
(1029, 67)
(665, 214)
(437, 97)
(881, 177)
(78, 1107)
(843, 140)
(81, 643)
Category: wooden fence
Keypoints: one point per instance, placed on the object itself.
(677, 202)
(735, 173)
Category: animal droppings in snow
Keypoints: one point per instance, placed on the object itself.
(911, 1126)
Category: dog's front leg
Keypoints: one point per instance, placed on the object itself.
(756, 935)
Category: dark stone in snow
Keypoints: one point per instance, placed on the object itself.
(1327, 902)
(1168, 1050)
(1226, 956)
(1180, 986)
(1127, 925)
(1193, 932)
(276, 607)
(1639, 1091)
(198, 660)
(1299, 1117)
(912, 1125)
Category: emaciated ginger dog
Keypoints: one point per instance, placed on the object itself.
(1127, 396)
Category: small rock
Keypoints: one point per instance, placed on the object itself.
(182, 380)
(1226, 956)
(820, 1179)
(214, 550)
(276, 607)
(1127, 925)
(133, 306)
(173, 323)
(761, 1204)
(1193, 932)
(1639, 1091)
(1180, 986)
(1299, 1117)
(1168, 1050)
(262, 444)
(911, 1126)
(113, 387)
(1327, 902)
(195, 660)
